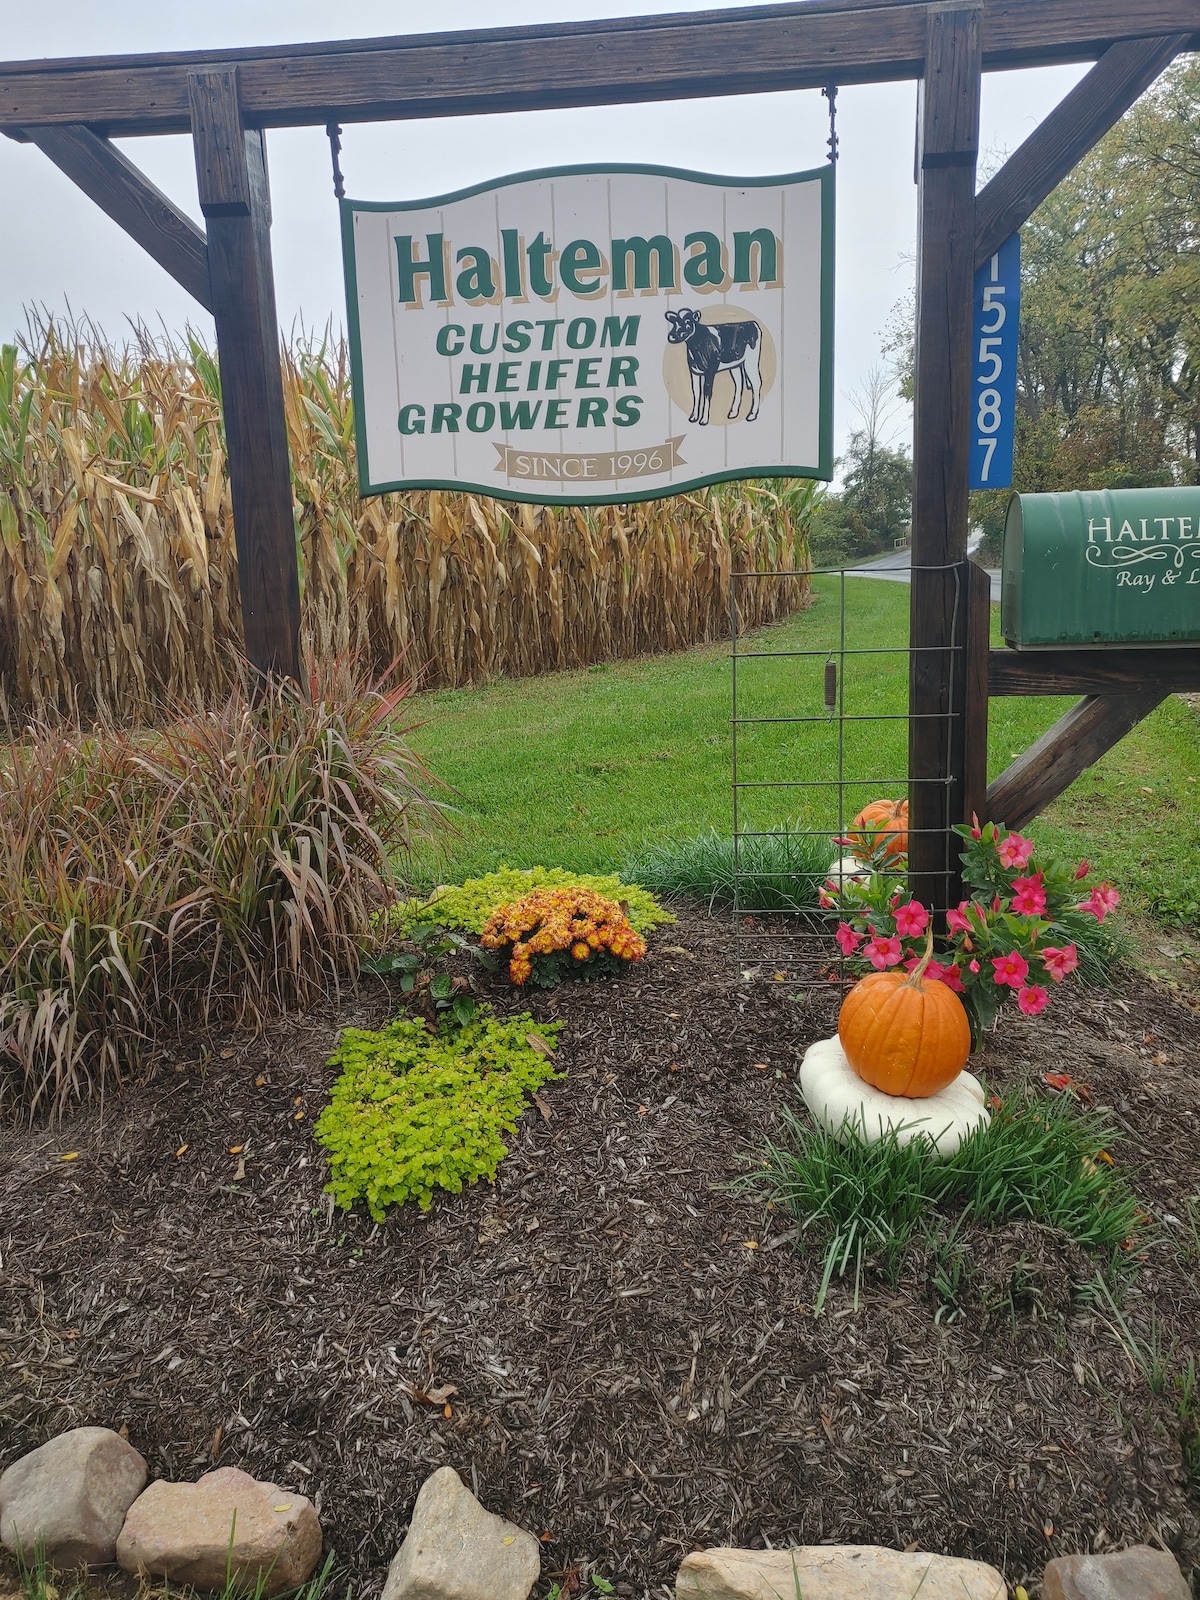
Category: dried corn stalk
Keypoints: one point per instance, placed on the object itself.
(118, 567)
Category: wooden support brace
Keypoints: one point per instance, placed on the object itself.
(122, 190)
(949, 143)
(1064, 751)
(232, 173)
(1112, 671)
(1061, 141)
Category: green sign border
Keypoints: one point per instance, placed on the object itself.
(824, 466)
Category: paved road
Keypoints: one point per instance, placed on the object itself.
(895, 568)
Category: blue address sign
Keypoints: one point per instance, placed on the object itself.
(994, 366)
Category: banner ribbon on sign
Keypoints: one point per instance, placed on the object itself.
(608, 466)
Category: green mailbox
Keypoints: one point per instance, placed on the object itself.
(1098, 567)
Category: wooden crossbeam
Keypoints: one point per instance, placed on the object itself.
(1061, 141)
(1064, 751)
(108, 177)
(1114, 671)
(682, 56)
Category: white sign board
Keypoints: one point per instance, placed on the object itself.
(593, 334)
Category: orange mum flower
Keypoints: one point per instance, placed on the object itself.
(548, 921)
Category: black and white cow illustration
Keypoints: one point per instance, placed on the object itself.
(731, 347)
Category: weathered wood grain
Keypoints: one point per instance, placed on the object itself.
(1169, 670)
(1064, 751)
(222, 174)
(949, 138)
(107, 176)
(1063, 138)
(231, 171)
(683, 56)
(973, 795)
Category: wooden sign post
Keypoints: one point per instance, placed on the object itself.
(231, 172)
(225, 99)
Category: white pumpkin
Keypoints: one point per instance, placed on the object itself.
(842, 1103)
(848, 867)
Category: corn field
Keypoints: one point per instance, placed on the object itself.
(118, 568)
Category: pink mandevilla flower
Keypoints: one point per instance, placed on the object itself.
(911, 919)
(847, 939)
(973, 966)
(952, 978)
(976, 830)
(1082, 870)
(1033, 999)
(933, 972)
(1011, 969)
(1101, 901)
(1060, 961)
(1015, 851)
(959, 921)
(1029, 897)
(883, 953)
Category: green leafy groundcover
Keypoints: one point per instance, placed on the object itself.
(415, 1111)
(468, 905)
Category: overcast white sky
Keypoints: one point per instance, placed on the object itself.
(60, 249)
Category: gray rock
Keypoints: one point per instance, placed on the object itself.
(71, 1495)
(834, 1572)
(1135, 1574)
(455, 1550)
(192, 1532)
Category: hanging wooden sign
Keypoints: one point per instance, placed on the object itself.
(593, 334)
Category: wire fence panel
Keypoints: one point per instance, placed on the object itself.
(817, 735)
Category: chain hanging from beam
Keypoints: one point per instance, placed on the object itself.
(335, 152)
(830, 93)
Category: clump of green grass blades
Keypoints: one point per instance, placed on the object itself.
(775, 871)
(233, 861)
(40, 1582)
(861, 1203)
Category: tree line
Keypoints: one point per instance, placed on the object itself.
(1108, 358)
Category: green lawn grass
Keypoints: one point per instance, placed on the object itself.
(583, 769)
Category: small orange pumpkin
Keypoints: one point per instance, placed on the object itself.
(882, 822)
(904, 1034)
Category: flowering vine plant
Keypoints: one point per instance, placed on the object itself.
(1015, 937)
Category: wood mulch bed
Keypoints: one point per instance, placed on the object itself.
(635, 1365)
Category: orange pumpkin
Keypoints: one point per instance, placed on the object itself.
(882, 822)
(904, 1034)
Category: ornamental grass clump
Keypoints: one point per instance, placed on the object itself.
(230, 864)
(414, 1111)
(553, 934)
(861, 1203)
